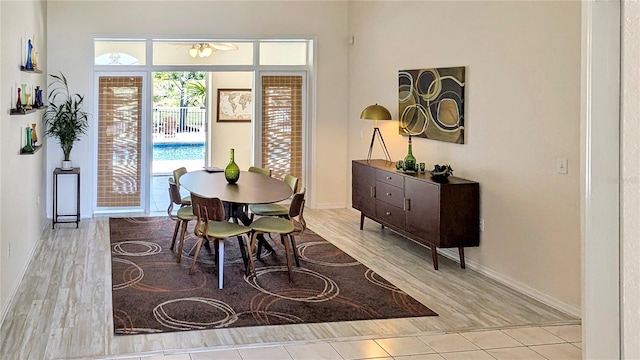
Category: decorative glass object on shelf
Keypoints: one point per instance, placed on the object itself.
(23, 98)
(29, 63)
(232, 171)
(34, 135)
(29, 140)
(19, 101)
(410, 160)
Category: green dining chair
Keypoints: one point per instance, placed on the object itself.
(275, 209)
(257, 170)
(182, 217)
(177, 173)
(260, 170)
(211, 226)
(287, 228)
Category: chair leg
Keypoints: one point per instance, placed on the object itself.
(254, 241)
(251, 267)
(216, 253)
(182, 235)
(195, 256)
(220, 264)
(243, 250)
(287, 247)
(259, 249)
(294, 247)
(175, 234)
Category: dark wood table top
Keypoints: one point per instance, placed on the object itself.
(251, 188)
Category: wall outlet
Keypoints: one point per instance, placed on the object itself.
(563, 166)
(481, 224)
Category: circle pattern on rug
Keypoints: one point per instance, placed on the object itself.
(151, 248)
(304, 255)
(375, 279)
(161, 315)
(329, 287)
(135, 271)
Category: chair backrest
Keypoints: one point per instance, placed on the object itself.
(259, 170)
(207, 208)
(174, 194)
(296, 209)
(177, 173)
(174, 198)
(292, 181)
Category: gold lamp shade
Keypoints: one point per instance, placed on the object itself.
(376, 112)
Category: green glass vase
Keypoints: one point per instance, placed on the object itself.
(409, 160)
(232, 171)
(28, 147)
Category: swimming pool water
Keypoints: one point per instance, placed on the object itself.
(178, 151)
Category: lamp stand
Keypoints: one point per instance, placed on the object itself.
(376, 130)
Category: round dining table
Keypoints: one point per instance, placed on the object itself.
(251, 188)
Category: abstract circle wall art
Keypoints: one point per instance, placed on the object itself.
(431, 103)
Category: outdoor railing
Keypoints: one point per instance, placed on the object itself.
(171, 122)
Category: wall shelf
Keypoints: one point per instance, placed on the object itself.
(24, 111)
(35, 150)
(35, 71)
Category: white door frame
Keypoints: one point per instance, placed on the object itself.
(600, 180)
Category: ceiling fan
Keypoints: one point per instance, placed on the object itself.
(206, 49)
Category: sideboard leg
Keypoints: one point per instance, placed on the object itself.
(434, 255)
(461, 252)
(361, 221)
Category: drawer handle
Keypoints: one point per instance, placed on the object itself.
(388, 213)
(388, 177)
(388, 194)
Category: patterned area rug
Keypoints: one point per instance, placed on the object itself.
(152, 293)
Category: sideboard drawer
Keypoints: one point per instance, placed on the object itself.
(390, 178)
(390, 194)
(390, 214)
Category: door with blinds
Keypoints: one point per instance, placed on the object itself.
(120, 123)
(282, 107)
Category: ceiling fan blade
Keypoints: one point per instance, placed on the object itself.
(223, 46)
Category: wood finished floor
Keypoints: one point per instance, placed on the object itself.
(62, 309)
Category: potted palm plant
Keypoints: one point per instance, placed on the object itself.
(64, 118)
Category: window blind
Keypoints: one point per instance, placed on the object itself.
(282, 125)
(119, 138)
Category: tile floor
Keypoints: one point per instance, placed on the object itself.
(549, 342)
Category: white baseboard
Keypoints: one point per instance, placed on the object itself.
(23, 271)
(327, 206)
(514, 284)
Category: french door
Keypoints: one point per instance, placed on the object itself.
(120, 142)
(282, 127)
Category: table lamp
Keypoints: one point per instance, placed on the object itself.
(376, 112)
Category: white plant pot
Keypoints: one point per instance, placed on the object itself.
(66, 165)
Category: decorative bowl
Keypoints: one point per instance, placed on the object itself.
(441, 172)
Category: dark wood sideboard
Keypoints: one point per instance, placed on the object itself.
(438, 214)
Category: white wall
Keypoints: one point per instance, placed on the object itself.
(522, 99)
(227, 135)
(70, 51)
(630, 184)
(22, 177)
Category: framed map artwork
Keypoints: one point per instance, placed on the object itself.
(234, 105)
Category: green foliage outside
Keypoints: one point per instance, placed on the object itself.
(179, 89)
